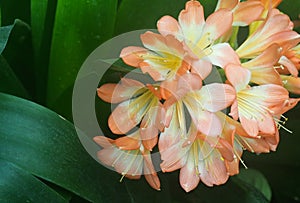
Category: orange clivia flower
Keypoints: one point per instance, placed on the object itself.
(129, 158)
(199, 34)
(254, 105)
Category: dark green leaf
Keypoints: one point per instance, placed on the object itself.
(79, 28)
(42, 22)
(137, 14)
(46, 145)
(17, 185)
(9, 83)
(4, 35)
(257, 180)
(18, 54)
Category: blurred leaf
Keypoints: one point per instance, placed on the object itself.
(42, 22)
(137, 14)
(17, 185)
(79, 28)
(44, 144)
(4, 35)
(257, 180)
(14, 9)
(9, 83)
(18, 54)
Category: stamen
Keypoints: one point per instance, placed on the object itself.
(240, 159)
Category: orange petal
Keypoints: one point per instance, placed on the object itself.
(127, 143)
(267, 125)
(238, 76)
(289, 65)
(216, 97)
(247, 12)
(149, 172)
(103, 141)
(250, 125)
(161, 44)
(168, 25)
(202, 68)
(115, 93)
(215, 172)
(191, 20)
(189, 177)
(121, 121)
(132, 55)
(218, 23)
(222, 54)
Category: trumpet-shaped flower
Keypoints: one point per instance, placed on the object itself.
(254, 105)
(244, 13)
(202, 102)
(277, 28)
(129, 157)
(199, 34)
(290, 59)
(139, 103)
(262, 67)
(163, 59)
(199, 158)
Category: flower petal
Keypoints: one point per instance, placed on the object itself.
(121, 121)
(189, 177)
(238, 76)
(202, 68)
(191, 21)
(168, 25)
(222, 54)
(115, 93)
(215, 97)
(218, 23)
(247, 12)
(289, 65)
(250, 125)
(132, 55)
(149, 172)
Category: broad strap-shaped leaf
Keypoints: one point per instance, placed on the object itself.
(17, 185)
(80, 27)
(16, 48)
(44, 144)
(9, 83)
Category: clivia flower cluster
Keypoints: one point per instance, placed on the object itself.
(202, 129)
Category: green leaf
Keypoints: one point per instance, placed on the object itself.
(4, 35)
(79, 28)
(17, 185)
(18, 53)
(9, 83)
(42, 23)
(255, 179)
(137, 14)
(44, 144)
